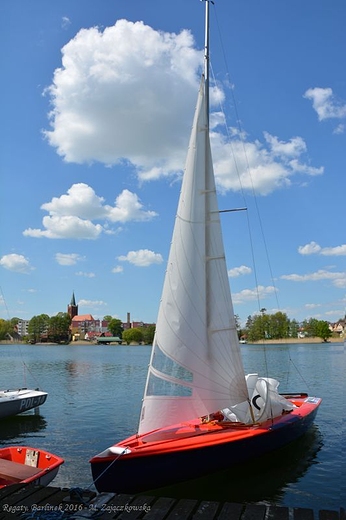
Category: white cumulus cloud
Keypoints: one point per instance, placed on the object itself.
(326, 104)
(239, 271)
(338, 279)
(258, 293)
(141, 258)
(117, 269)
(16, 263)
(68, 258)
(309, 249)
(71, 215)
(260, 166)
(91, 303)
(110, 96)
(85, 274)
(314, 248)
(126, 94)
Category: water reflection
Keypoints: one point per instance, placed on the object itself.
(263, 480)
(14, 429)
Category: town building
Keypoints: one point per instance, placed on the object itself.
(22, 327)
(339, 327)
(85, 327)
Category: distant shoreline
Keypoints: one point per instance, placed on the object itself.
(297, 341)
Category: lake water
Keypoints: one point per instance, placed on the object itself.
(94, 401)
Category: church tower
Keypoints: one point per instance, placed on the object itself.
(72, 309)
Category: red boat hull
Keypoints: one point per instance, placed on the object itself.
(22, 464)
(191, 450)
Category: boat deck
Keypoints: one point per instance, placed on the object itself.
(14, 471)
(38, 502)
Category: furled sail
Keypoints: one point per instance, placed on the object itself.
(195, 367)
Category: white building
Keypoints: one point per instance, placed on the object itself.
(22, 327)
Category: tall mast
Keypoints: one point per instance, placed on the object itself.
(206, 58)
(208, 182)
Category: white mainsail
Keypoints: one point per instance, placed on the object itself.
(195, 367)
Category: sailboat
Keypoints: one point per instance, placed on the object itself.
(17, 401)
(200, 412)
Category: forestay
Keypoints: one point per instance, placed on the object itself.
(195, 367)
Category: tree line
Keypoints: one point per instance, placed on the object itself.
(54, 329)
(279, 326)
(57, 329)
(133, 335)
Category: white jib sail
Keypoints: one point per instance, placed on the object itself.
(195, 367)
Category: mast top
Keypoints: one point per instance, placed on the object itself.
(207, 55)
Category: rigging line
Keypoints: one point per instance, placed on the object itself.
(109, 466)
(244, 199)
(5, 304)
(298, 371)
(241, 137)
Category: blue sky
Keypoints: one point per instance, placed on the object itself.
(97, 105)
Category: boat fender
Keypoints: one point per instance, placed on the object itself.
(114, 450)
(119, 450)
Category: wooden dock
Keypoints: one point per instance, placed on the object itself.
(53, 503)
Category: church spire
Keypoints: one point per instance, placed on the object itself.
(72, 309)
(73, 300)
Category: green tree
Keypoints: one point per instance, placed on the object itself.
(294, 328)
(264, 324)
(38, 325)
(107, 318)
(310, 327)
(134, 335)
(115, 327)
(148, 334)
(322, 330)
(59, 328)
(249, 323)
(260, 327)
(240, 331)
(267, 326)
(6, 327)
(279, 325)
